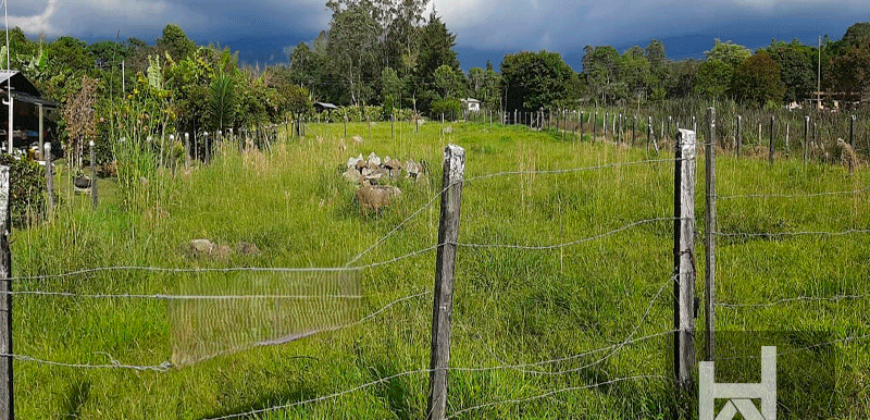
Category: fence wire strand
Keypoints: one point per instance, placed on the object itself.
(167, 365)
(225, 270)
(572, 243)
(556, 392)
(569, 171)
(811, 195)
(814, 299)
(782, 234)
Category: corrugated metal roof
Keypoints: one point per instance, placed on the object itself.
(19, 83)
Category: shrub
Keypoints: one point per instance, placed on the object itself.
(27, 189)
(448, 107)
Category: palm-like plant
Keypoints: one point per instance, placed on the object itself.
(221, 110)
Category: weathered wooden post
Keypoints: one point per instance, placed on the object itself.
(739, 137)
(710, 238)
(7, 400)
(595, 127)
(445, 266)
(684, 258)
(852, 131)
(94, 194)
(633, 131)
(605, 125)
(806, 137)
(787, 134)
(49, 179)
(772, 149)
(619, 132)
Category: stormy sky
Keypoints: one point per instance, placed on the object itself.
(485, 29)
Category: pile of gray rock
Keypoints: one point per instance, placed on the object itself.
(375, 170)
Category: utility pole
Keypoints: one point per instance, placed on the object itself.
(819, 85)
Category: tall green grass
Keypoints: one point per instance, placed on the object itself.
(512, 306)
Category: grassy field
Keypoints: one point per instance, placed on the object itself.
(513, 307)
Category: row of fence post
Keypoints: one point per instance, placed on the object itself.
(686, 305)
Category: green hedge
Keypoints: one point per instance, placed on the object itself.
(27, 189)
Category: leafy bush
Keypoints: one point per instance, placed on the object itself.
(27, 189)
(448, 107)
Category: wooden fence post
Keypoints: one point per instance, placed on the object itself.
(49, 179)
(772, 149)
(710, 238)
(852, 131)
(806, 137)
(604, 133)
(595, 127)
(445, 266)
(739, 136)
(633, 130)
(94, 194)
(7, 399)
(684, 258)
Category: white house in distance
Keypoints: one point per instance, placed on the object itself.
(470, 105)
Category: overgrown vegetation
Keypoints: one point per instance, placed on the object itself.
(511, 306)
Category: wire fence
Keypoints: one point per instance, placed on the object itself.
(289, 308)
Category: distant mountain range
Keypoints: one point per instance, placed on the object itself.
(270, 50)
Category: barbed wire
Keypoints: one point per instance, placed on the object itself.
(808, 347)
(166, 366)
(556, 392)
(810, 195)
(226, 270)
(836, 298)
(616, 347)
(399, 226)
(176, 297)
(567, 244)
(780, 234)
(568, 171)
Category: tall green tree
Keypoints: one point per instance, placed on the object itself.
(758, 80)
(535, 80)
(353, 47)
(714, 79)
(436, 50)
(602, 66)
(798, 72)
(175, 42)
(728, 53)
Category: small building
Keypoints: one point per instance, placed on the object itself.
(29, 126)
(470, 105)
(320, 107)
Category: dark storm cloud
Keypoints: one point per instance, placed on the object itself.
(507, 25)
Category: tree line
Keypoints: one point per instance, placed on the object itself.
(388, 53)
